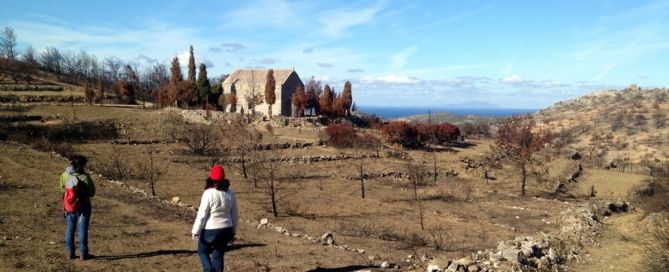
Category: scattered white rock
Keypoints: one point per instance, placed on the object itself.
(385, 264)
(432, 268)
(52, 243)
(176, 200)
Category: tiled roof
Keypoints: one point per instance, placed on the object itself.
(258, 75)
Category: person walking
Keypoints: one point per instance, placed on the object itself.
(216, 222)
(78, 188)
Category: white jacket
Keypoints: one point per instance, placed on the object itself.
(218, 210)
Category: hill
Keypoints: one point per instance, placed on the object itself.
(618, 127)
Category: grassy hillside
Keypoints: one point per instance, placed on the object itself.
(629, 125)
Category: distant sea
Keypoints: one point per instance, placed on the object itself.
(397, 112)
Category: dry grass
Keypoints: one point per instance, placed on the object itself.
(461, 214)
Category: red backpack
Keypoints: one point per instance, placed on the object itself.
(73, 194)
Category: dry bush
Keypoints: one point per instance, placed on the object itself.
(113, 166)
(63, 148)
(200, 139)
(172, 122)
(340, 135)
(406, 238)
(656, 248)
(441, 238)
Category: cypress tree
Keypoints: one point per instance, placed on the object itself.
(270, 96)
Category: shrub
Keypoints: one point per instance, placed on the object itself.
(341, 135)
(403, 133)
(438, 134)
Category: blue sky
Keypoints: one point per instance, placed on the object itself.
(514, 54)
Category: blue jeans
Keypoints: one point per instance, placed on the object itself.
(214, 242)
(82, 219)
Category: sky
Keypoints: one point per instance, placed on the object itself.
(445, 53)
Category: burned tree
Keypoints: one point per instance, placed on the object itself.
(518, 140)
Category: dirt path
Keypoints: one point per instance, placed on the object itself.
(127, 233)
(619, 248)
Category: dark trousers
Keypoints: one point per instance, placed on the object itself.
(214, 242)
(79, 220)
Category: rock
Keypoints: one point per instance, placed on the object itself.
(496, 257)
(472, 268)
(432, 268)
(264, 221)
(453, 267)
(385, 264)
(328, 239)
(52, 243)
(510, 254)
(574, 155)
(466, 261)
(361, 251)
(280, 229)
(371, 257)
(551, 254)
(424, 258)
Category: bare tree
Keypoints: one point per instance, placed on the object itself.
(241, 142)
(90, 95)
(51, 59)
(149, 169)
(29, 56)
(417, 175)
(8, 43)
(113, 67)
(272, 182)
(253, 96)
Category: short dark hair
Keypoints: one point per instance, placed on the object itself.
(78, 161)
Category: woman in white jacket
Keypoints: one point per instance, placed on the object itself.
(217, 220)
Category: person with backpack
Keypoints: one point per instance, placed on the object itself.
(77, 187)
(217, 220)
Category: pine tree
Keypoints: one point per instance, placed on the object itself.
(270, 96)
(347, 98)
(203, 85)
(175, 81)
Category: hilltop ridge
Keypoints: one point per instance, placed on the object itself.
(614, 125)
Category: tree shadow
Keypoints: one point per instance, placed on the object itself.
(342, 269)
(173, 252)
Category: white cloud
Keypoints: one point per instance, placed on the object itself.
(392, 79)
(512, 79)
(335, 22)
(399, 59)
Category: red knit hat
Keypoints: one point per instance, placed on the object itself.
(217, 173)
